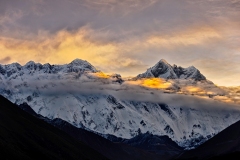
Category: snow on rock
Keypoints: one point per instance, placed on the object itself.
(164, 70)
(72, 93)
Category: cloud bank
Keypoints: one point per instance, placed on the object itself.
(180, 93)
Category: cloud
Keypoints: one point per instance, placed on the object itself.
(127, 57)
(130, 91)
(10, 16)
(65, 46)
(189, 37)
(220, 70)
(115, 5)
(5, 60)
(60, 48)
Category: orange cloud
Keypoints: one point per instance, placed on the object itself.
(192, 89)
(224, 99)
(156, 83)
(66, 46)
(190, 37)
(60, 48)
(100, 75)
(126, 57)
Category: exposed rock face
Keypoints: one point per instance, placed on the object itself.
(164, 70)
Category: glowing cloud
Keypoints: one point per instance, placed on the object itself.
(152, 83)
(193, 89)
(191, 37)
(60, 48)
(101, 75)
(156, 83)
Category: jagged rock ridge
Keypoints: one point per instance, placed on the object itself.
(78, 66)
(164, 70)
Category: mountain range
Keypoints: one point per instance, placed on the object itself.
(140, 147)
(25, 134)
(109, 106)
(164, 70)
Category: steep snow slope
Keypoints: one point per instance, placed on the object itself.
(82, 96)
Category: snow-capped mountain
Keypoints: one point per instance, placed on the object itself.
(83, 96)
(14, 70)
(164, 70)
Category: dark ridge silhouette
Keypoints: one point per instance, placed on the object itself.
(225, 145)
(141, 147)
(23, 136)
(144, 146)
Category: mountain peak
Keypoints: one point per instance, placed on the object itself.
(78, 66)
(163, 61)
(81, 65)
(30, 63)
(15, 64)
(192, 67)
(78, 61)
(160, 63)
(164, 70)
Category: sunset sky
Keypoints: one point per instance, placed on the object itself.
(125, 36)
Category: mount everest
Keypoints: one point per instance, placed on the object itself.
(87, 98)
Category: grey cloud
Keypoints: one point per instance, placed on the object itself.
(175, 100)
(126, 91)
(161, 17)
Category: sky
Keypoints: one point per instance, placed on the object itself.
(126, 36)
